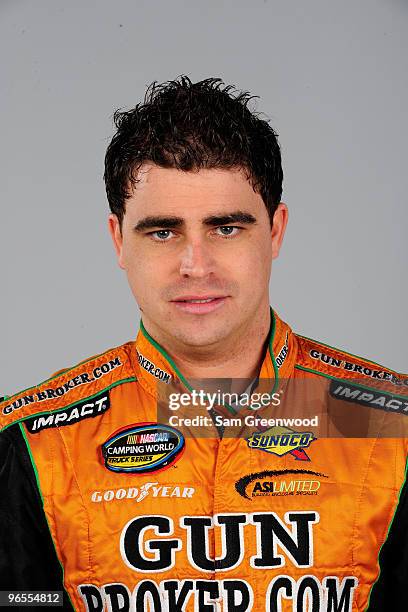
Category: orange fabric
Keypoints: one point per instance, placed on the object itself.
(343, 508)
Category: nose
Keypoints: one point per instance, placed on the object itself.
(196, 260)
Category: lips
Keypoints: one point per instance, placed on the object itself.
(197, 300)
(199, 304)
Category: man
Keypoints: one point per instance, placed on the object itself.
(146, 507)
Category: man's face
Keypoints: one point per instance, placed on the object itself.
(197, 249)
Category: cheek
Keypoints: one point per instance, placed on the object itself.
(146, 276)
(136, 270)
(140, 277)
(263, 255)
(253, 263)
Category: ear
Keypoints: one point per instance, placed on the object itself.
(280, 220)
(115, 231)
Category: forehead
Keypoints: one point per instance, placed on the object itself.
(193, 193)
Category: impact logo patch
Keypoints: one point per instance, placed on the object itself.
(86, 409)
(342, 390)
(143, 447)
(280, 441)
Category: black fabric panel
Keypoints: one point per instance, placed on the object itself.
(28, 559)
(391, 589)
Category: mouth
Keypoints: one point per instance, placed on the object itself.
(199, 304)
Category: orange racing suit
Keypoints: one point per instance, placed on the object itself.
(148, 510)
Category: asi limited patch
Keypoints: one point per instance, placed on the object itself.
(279, 483)
(143, 447)
(86, 409)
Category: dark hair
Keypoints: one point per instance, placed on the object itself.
(190, 126)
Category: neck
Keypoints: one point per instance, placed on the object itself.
(239, 357)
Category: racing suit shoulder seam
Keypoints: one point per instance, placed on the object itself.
(311, 357)
(310, 343)
(71, 386)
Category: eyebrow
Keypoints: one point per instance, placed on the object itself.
(150, 222)
(178, 222)
(234, 217)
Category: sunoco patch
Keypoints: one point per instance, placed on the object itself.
(143, 447)
(86, 409)
(281, 440)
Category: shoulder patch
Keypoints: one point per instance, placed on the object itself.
(346, 390)
(70, 387)
(327, 361)
(88, 408)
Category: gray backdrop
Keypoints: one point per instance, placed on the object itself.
(332, 78)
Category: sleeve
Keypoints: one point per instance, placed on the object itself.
(28, 560)
(390, 591)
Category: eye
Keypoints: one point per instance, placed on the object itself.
(161, 235)
(228, 230)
